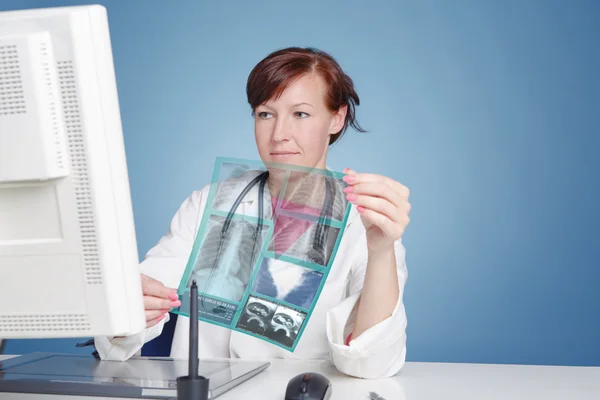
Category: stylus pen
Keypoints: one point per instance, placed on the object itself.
(193, 356)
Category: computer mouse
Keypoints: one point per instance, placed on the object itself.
(308, 386)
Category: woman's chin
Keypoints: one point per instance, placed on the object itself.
(289, 158)
(296, 160)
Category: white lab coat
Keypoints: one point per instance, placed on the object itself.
(379, 352)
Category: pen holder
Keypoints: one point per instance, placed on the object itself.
(192, 388)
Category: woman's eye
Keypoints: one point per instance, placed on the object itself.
(264, 115)
(301, 114)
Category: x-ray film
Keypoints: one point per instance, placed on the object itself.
(267, 239)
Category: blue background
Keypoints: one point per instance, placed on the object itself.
(488, 111)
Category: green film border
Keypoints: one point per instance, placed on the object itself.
(297, 261)
(262, 166)
(209, 211)
(321, 220)
(279, 302)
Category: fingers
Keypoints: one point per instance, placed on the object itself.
(378, 190)
(379, 204)
(152, 287)
(155, 303)
(384, 202)
(151, 323)
(380, 200)
(378, 193)
(383, 222)
(158, 300)
(354, 178)
(154, 314)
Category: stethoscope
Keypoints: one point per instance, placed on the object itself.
(315, 255)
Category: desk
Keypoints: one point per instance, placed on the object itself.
(420, 381)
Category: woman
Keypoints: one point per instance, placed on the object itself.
(302, 102)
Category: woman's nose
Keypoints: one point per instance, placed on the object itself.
(281, 131)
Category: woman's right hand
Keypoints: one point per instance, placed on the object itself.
(158, 300)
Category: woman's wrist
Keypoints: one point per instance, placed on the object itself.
(383, 255)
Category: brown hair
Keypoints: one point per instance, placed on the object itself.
(271, 76)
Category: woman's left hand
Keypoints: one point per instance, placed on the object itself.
(383, 205)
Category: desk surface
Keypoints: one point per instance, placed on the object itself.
(420, 381)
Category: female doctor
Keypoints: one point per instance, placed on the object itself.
(302, 102)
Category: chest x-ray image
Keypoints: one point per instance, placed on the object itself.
(267, 239)
(228, 257)
(287, 282)
(303, 218)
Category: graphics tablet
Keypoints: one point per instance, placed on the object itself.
(139, 377)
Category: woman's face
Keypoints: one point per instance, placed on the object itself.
(295, 128)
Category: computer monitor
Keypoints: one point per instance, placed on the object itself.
(69, 263)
